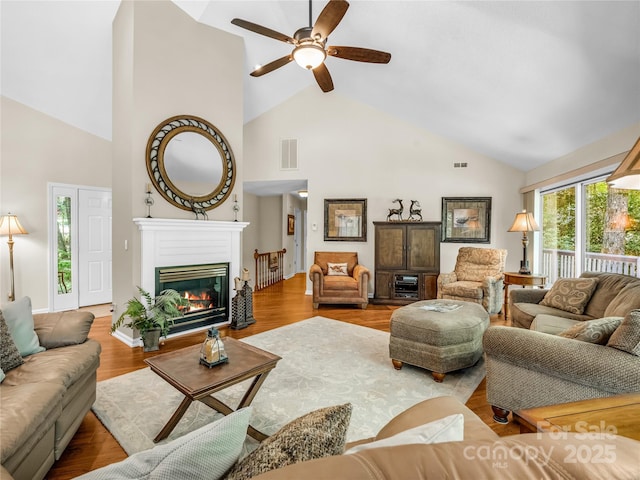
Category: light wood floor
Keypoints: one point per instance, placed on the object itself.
(282, 304)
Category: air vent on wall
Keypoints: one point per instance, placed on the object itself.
(289, 154)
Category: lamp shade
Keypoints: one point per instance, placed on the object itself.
(524, 222)
(627, 175)
(9, 225)
(309, 55)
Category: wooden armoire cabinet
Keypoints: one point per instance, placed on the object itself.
(407, 261)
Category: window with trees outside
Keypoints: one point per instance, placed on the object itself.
(588, 226)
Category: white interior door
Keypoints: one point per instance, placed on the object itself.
(94, 242)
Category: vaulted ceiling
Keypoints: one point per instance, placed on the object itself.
(523, 82)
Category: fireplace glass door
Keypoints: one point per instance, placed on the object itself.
(205, 286)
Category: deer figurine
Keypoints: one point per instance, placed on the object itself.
(396, 211)
(416, 210)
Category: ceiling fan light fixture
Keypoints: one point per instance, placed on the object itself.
(309, 55)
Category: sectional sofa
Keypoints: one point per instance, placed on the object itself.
(614, 295)
(481, 454)
(44, 400)
(563, 350)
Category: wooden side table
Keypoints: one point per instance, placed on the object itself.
(514, 278)
(618, 415)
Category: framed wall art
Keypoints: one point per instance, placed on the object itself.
(345, 220)
(466, 219)
(291, 224)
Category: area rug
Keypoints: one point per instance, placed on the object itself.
(324, 362)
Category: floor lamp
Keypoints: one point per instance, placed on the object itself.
(524, 222)
(9, 225)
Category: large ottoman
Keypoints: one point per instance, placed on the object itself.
(440, 341)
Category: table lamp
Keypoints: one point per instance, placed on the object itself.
(9, 225)
(524, 223)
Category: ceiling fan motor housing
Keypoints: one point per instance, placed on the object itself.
(309, 52)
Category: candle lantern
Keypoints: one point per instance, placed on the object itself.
(212, 351)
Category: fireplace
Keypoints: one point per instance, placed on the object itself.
(170, 243)
(206, 287)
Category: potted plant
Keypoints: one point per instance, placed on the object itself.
(152, 318)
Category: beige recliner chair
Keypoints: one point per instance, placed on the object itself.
(478, 277)
(338, 278)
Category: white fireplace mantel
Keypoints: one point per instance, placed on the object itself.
(167, 242)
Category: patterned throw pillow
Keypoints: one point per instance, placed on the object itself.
(593, 331)
(9, 355)
(570, 294)
(627, 335)
(337, 269)
(318, 434)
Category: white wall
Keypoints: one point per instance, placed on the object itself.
(586, 156)
(251, 233)
(36, 149)
(349, 150)
(165, 64)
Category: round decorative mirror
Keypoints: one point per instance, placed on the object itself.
(190, 163)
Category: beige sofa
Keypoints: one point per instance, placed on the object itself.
(44, 400)
(531, 366)
(615, 295)
(349, 288)
(482, 454)
(527, 369)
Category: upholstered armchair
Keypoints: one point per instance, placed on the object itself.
(478, 277)
(337, 277)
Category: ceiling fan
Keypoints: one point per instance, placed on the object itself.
(310, 45)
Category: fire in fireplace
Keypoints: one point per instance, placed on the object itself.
(206, 287)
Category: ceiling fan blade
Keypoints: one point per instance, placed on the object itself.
(270, 67)
(359, 54)
(323, 77)
(329, 18)
(267, 32)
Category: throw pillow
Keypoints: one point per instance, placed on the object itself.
(570, 294)
(9, 355)
(20, 322)
(337, 269)
(593, 331)
(321, 433)
(2, 375)
(627, 335)
(207, 452)
(60, 329)
(447, 429)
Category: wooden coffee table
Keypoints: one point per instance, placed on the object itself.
(619, 414)
(182, 370)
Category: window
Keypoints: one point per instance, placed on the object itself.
(588, 226)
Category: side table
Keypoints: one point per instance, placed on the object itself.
(514, 278)
(608, 415)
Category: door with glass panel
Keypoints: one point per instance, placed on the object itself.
(64, 248)
(80, 246)
(612, 229)
(588, 226)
